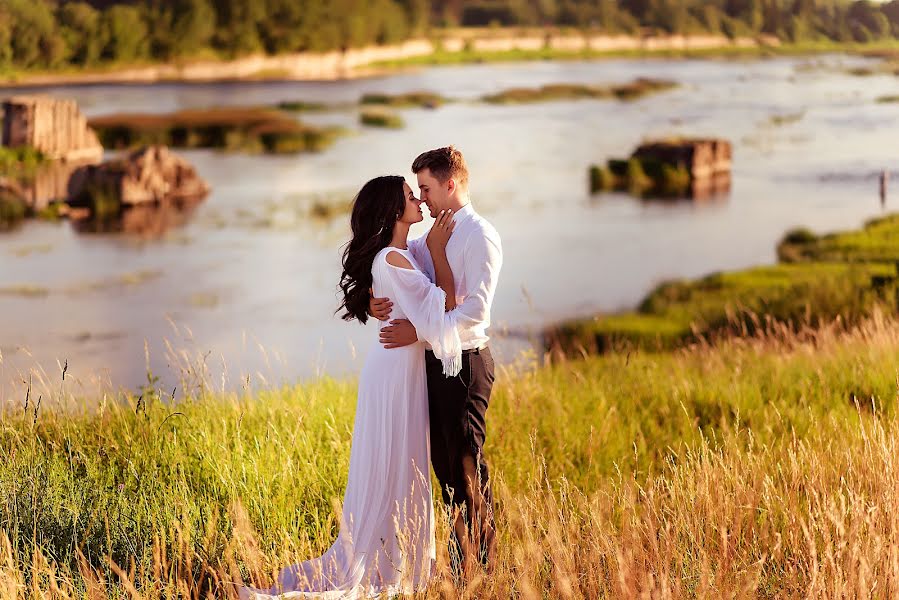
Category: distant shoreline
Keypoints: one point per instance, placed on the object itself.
(462, 47)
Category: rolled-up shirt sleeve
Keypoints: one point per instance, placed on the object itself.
(424, 304)
(483, 261)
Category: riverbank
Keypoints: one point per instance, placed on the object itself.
(846, 275)
(451, 47)
(674, 474)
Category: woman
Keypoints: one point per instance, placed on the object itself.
(386, 540)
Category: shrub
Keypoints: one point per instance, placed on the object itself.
(381, 118)
(601, 178)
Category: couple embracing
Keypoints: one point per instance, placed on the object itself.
(423, 391)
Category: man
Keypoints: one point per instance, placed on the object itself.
(458, 405)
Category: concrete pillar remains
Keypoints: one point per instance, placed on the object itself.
(54, 127)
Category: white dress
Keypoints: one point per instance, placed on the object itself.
(386, 540)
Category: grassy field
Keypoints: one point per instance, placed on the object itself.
(819, 278)
(762, 467)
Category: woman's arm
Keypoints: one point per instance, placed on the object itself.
(445, 279)
(437, 239)
(424, 304)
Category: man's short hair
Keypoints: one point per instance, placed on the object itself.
(443, 163)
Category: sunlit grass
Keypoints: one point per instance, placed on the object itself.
(677, 474)
(844, 275)
(250, 129)
(684, 311)
(877, 241)
(883, 48)
(381, 117)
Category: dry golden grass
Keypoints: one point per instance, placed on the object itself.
(764, 466)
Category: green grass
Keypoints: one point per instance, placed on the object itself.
(20, 161)
(877, 241)
(381, 117)
(570, 91)
(301, 106)
(888, 67)
(411, 99)
(885, 48)
(846, 275)
(19, 165)
(643, 177)
(12, 211)
(184, 492)
(785, 119)
(682, 312)
(234, 129)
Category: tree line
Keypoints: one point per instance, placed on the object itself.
(53, 34)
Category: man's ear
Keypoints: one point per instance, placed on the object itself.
(450, 185)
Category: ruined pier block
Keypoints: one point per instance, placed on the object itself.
(52, 126)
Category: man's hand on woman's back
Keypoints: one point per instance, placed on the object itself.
(379, 308)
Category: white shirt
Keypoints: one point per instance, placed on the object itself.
(475, 255)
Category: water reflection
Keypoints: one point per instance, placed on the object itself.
(713, 189)
(147, 221)
(58, 189)
(48, 184)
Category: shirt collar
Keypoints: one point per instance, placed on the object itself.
(464, 213)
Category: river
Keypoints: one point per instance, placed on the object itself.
(245, 290)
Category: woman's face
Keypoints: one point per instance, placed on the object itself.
(412, 213)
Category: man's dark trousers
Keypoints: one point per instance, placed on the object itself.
(458, 410)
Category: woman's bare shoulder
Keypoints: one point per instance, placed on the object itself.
(397, 259)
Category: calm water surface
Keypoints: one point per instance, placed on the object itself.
(247, 288)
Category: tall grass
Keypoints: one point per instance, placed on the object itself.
(762, 466)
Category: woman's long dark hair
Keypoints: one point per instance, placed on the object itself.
(377, 207)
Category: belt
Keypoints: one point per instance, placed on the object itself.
(477, 350)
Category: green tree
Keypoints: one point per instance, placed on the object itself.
(418, 14)
(891, 12)
(126, 33)
(748, 12)
(638, 8)
(80, 26)
(390, 23)
(192, 25)
(237, 31)
(670, 16)
(6, 33)
(772, 19)
(282, 29)
(321, 31)
(34, 39)
(709, 18)
(803, 9)
(867, 21)
(547, 11)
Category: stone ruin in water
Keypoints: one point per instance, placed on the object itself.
(54, 127)
(151, 176)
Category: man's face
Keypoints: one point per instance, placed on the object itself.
(433, 193)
